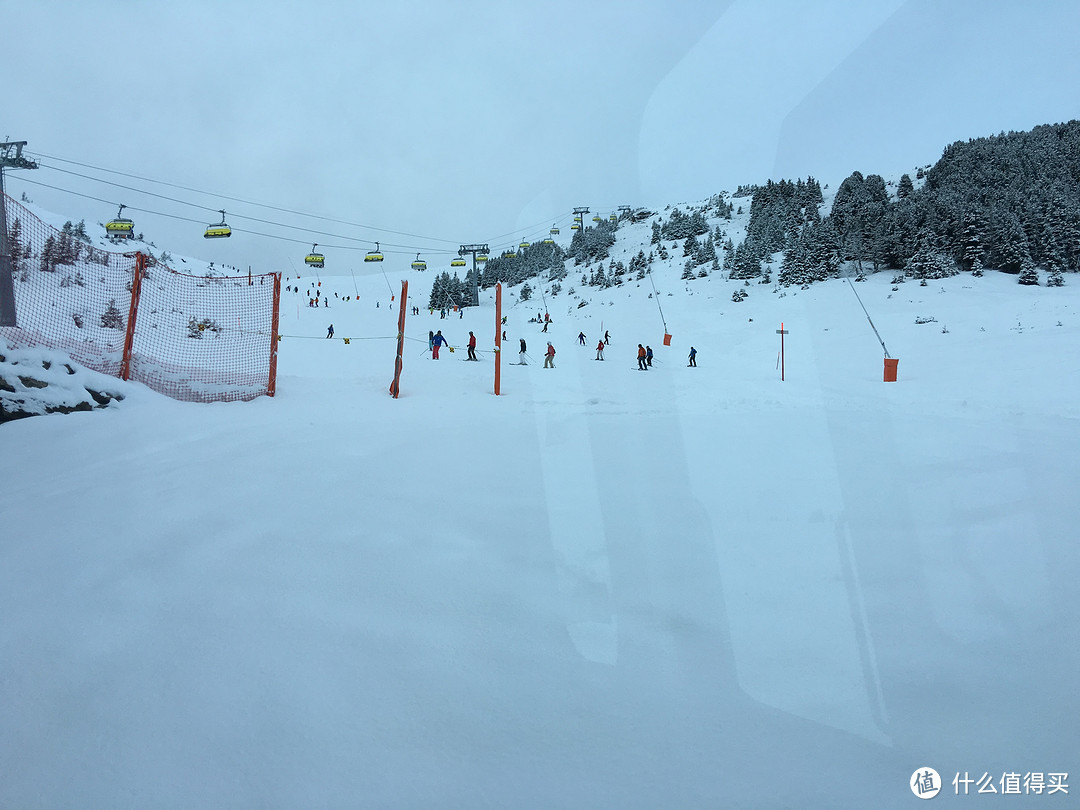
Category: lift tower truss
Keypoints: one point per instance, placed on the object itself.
(474, 250)
(11, 157)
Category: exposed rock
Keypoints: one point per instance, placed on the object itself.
(30, 382)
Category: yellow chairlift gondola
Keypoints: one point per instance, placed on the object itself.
(314, 259)
(613, 218)
(120, 228)
(523, 245)
(548, 241)
(374, 255)
(419, 264)
(596, 218)
(575, 227)
(457, 261)
(554, 231)
(509, 254)
(481, 258)
(219, 231)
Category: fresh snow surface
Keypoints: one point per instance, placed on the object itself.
(605, 588)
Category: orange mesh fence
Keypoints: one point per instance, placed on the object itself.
(194, 338)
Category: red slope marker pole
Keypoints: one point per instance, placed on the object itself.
(498, 336)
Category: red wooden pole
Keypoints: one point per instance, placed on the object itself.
(133, 312)
(395, 386)
(781, 351)
(498, 336)
(271, 384)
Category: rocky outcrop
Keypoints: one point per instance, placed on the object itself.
(33, 386)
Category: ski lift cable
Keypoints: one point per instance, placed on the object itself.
(238, 199)
(179, 218)
(234, 216)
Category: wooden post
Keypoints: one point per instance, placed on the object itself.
(133, 312)
(271, 384)
(498, 336)
(395, 386)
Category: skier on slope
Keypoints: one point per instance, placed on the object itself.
(549, 357)
(330, 331)
(693, 357)
(648, 355)
(521, 354)
(600, 350)
(436, 342)
(472, 347)
(581, 338)
(641, 358)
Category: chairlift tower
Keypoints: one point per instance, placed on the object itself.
(11, 157)
(474, 250)
(579, 215)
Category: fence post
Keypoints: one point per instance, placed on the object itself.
(133, 311)
(271, 384)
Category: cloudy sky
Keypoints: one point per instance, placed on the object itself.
(425, 125)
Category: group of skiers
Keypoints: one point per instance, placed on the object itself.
(436, 340)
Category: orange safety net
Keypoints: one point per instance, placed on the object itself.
(194, 338)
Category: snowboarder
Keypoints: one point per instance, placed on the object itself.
(521, 354)
(330, 331)
(648, 355)
(693, 357)
(472, 347)
(600, 350)
(641, 358)
(436, 342)
(581, 338)
(545, 326)
(549, 357)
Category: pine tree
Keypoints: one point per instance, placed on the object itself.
(111, 318)
(1028, 274)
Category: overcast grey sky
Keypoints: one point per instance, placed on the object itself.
(485, 121)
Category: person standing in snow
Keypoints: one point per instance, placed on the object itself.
(607, 337)
(581, 338)
(648, 355)
(472, 346)
(436, 342)
(521, 354)
(693, 357)
(549, 357)
(330, 331)
(600, 350)
(641, 358)
(430, 340)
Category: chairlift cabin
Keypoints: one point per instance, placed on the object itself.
(419, 264)
(457, 261)
(523, 245)
(613, 218)
(120, 228)
(548, 241)
(219, 231)
(575, 227)
(314, 259)
(554, 231)
(481, 258)
(374, 255)
(509, 254)
(596, 218)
